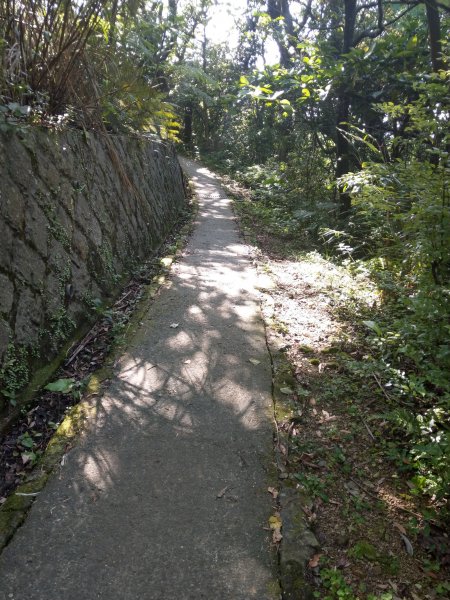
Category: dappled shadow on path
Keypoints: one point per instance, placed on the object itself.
(166, 496)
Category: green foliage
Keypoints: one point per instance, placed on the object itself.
(64, 386)
(94, 62)
(14, 372)
(313, 485)
(336, 586)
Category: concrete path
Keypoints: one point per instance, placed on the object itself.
(165, 496)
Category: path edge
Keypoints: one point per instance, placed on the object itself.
(14, 511)
(299, 542)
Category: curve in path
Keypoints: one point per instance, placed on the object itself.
(165, 496)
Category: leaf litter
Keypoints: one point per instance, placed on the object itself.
(334, 443)
(363, 512)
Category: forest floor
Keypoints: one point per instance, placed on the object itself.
(377, 538)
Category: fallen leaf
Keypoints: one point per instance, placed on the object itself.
(254, 361)
(275, 521)
(393, 586)
(400, 528)
(174, 325)
(286, 391)
(408, 545)
(273, 491)
(314, 561)
(343, 563)
(282, 448)
(277, 536)
(431, 574)
(352, 489)
(222, 492)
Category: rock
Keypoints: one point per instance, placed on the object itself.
(36, 228)
(5, 332)
(299, 544)
(29, 317)
(28, 265)
(6, 244)
(12, 207)
(6, 294)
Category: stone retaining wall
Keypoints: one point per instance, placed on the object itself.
(77, 210)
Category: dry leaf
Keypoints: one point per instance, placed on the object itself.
(222, 492)
(408, 545)
(275, 521)
(343, 563)
(400, 528)
(314, 561)
(282, 448)
(275, 524)
(273, 491)
(277, 536)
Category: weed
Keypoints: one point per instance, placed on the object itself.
(313, 485)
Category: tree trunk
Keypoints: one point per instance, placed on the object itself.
(342, 150)
(343, 112)
(112, 24)
(277, 9)
(187, 129)
(434, 34)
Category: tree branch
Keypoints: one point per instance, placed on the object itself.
(373, 33)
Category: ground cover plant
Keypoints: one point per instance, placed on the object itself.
(381, 528)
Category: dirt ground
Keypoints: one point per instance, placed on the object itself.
(376, 542)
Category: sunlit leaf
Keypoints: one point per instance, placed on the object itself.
(64, 386)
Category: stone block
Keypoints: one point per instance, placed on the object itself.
(29, 317)
(53, 294)
(36, 227)
(5, 333)
(29, 267)
(68, 166)
(94, 231)
(6, 245)
(6, 294)
(298, 545)
(80, 244)
(12, 206)
(20, 160)
(82, 210)
(66, 194)
(81, 279)
(48, 173)
(59, 261)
